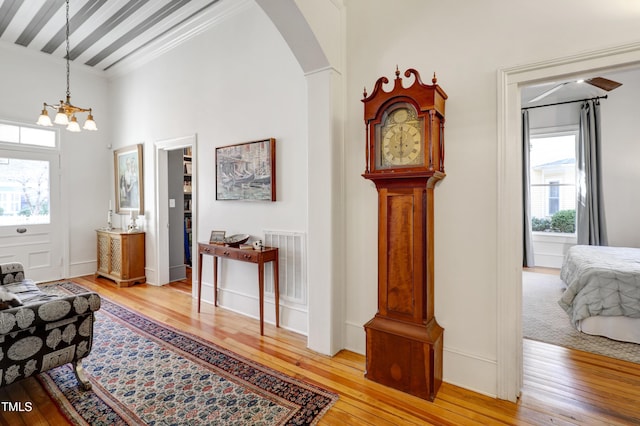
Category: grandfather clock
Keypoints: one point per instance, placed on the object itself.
(405, 159)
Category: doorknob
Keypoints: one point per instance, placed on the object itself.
(21, 230)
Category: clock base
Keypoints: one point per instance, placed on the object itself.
(405, 356)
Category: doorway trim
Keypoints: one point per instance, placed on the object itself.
(509, 196)
(162, 202)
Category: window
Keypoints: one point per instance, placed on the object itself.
(20, 134)
(552, 178)
(24, 192)
(24, 176)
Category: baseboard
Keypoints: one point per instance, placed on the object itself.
(355, 338)
(470, 371)
(291, 317)
(78, 269)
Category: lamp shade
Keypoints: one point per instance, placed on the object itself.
(44, 119)
(61, 117)
(73, 125)
(90, 124)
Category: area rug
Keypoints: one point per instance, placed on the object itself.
(544, 320)
(144, 372)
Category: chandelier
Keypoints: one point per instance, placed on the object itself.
(65, 111)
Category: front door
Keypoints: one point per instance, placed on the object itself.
(30, 219)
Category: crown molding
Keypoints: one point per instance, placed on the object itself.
(212, 16)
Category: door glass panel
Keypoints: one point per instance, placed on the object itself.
(24, 192)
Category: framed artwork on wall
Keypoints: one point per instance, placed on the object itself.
(129, 179)
(246, 171)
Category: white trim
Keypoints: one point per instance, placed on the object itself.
(509, 165)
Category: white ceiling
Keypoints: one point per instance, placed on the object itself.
(570, 89)
(102, 33)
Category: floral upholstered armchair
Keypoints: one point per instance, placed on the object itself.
(40, 331)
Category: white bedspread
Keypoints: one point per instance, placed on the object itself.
(601, 281)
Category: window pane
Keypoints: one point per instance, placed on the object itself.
(24, 192)
(40, 137)
(9, 133)
(552, 176)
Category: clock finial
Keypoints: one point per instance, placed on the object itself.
(364, 92)
(397, 72)
(434, 80)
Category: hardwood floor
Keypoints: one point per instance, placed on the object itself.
(561, 386)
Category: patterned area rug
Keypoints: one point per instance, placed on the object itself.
(544, 320)
(144, 372)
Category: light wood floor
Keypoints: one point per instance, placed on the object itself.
(561, 386)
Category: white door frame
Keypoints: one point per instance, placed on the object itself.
(509, 195)
(162, 199)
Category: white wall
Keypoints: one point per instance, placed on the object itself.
(27, 79)
(465, 44)
(236, 82)
(621, 154)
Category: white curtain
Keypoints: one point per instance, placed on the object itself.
(527, 254)
(590, 212)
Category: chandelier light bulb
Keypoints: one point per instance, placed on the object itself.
(73, 125)
(61, 117)
(90, 124)
(44, 119)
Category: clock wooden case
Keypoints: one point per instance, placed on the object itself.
(405, 159)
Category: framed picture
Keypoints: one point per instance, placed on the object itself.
(246, 171)
(129, 179)
(217, 237)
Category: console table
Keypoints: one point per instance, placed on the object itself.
(260, 257)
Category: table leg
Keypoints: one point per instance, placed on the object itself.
(199, 279)
(261, 292)
(215, 280)
(276, 290)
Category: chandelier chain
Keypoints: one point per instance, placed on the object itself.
(68, 72)
(65, 110)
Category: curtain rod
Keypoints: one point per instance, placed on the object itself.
(566, 102)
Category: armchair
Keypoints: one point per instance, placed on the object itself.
(40, 331)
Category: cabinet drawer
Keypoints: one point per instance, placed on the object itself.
(248, 256)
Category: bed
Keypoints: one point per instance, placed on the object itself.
(603, 291)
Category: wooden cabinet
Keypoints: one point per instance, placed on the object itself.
(121, 256)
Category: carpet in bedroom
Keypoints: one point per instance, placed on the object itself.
(544, 320)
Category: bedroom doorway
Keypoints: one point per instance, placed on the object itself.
(550, 195)
(509, 193)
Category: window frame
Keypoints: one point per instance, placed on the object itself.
(19, 146)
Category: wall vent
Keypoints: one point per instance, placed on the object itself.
(292, 263)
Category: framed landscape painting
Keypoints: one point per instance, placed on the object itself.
(129, 179)
(246, 171)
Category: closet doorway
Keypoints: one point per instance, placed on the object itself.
(176, 198)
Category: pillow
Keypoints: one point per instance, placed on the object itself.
(8, 300)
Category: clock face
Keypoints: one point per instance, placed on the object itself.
(399, 138)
